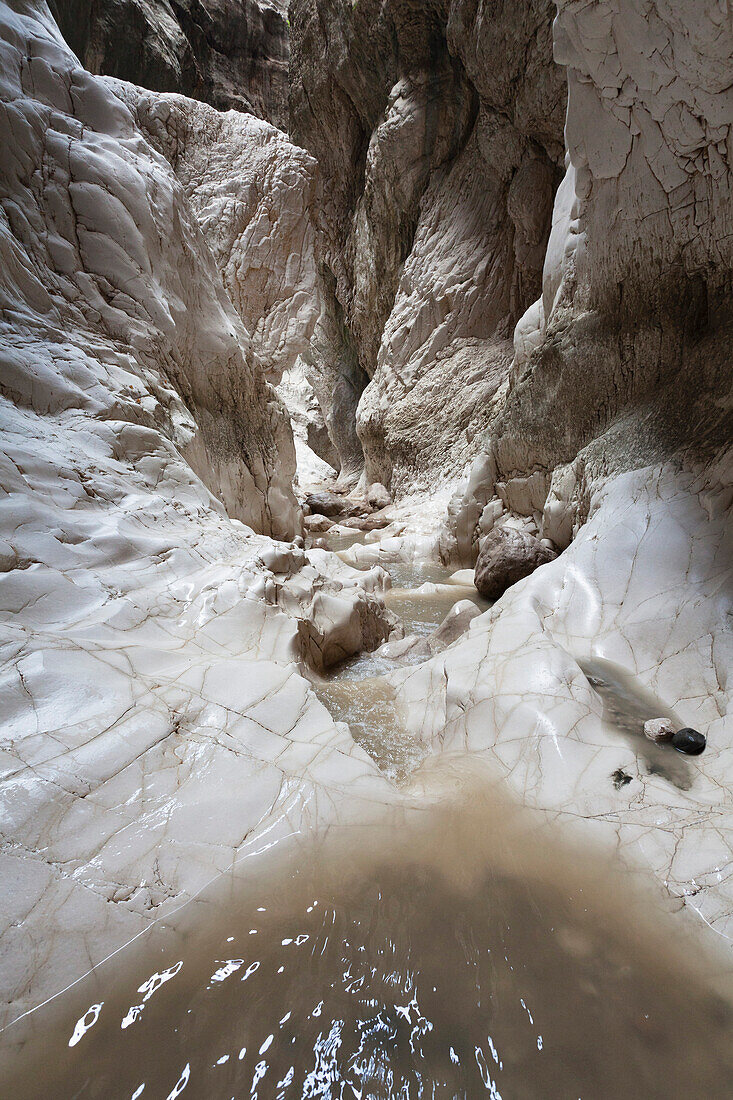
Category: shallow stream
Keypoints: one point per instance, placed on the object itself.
(453, 952)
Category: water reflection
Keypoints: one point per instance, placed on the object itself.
(420, 965)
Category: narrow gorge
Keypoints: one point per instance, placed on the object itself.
(366, 549)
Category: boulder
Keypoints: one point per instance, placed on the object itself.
(333, 505)
(317, 524)
(453, 626)
(366, 523)
(378, 496)
(507, 555)
(689, 741)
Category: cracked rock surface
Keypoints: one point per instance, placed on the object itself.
(155, 719)
(428, 291)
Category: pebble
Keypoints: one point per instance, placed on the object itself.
(689, 741)
(659, 729)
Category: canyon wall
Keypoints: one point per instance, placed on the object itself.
(612, 440)
(124, 314)
(624, 360)
(229, 53)
(438, 130)
(153, 712)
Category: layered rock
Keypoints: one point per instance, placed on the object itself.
(439, 179)
(230, 53)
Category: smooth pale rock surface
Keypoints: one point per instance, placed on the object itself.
(644, 586)
(507, 556)
(155, 722)
(612, 439)
(454, 625)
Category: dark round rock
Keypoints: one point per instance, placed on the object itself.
(689, 741)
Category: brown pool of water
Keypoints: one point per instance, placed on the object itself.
(465, 953)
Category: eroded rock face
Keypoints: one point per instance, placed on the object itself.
(507, 556)
(439, 183)
(621, 360)
(230, 53)
(610, 440)
(127, 318)
(150, 643)
(255, 196)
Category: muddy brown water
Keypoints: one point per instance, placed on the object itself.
(468, 953)
(456, 952)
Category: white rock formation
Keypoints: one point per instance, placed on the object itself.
(157, 724)
(154, 720)
(438, 129)
(255, 196)
(612, 439)
(642, 586)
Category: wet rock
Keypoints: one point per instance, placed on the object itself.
(461, 577)
(317, 523)
(507, 556)
(454, 625)
(333, 505)
(366, 523)
(396, 648)
(659, 730)
(689, 741)
(378, 496)
(340, 626)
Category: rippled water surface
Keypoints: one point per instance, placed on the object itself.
(425, 967)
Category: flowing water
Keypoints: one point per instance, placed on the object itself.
(358, 693)
(455, 952)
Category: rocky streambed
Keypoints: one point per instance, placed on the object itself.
(455, 946)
